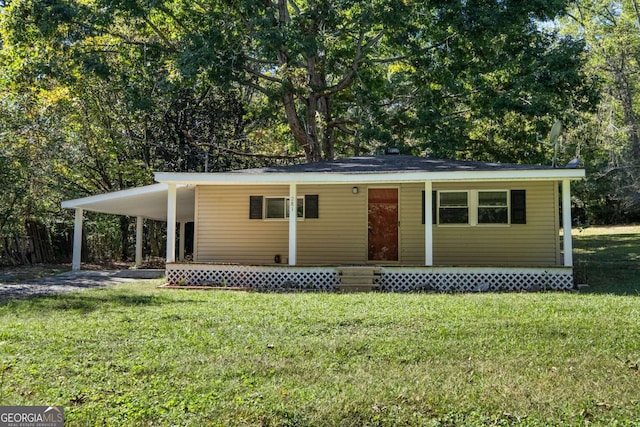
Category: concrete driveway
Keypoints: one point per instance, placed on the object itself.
(72, 281)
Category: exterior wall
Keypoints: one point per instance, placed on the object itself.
(533, 244)
(411, 227)
(224, 232)
(339, 234)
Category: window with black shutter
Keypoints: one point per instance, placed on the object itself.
(482, 207)
(518, 207)
(311, 209)
(255, 207)
(434, 207)
(278, 207)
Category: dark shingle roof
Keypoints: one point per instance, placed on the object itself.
(392, 163)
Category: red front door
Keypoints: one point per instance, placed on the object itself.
(383, 224)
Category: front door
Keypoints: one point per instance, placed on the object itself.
(383, 224)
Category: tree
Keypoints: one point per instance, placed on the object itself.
(344, 76)
(611, 30)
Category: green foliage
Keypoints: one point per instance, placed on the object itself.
(608, 140)
(346, 77)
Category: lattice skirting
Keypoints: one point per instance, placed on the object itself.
(475, 279)
(258, 277)
(392, 279)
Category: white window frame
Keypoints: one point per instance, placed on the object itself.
(507, 206)
(473, 204)
(286, 208)
(460, 224)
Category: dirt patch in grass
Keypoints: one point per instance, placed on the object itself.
(606, 230)
(36, 271)
(28, 272)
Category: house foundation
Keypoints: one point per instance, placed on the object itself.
(389, 279)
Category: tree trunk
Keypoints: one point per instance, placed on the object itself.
(625, 95)
(309, 145)
(40, 249)
(124, 238)
(154, 231)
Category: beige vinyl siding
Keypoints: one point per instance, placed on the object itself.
(411, 228)
(530, 244)
(339, 234)
(226, 234)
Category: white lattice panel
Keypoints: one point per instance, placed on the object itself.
(475, 279)
(391, 279)
(265, 278)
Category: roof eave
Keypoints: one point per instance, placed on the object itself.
(231, 178)
(131, 192)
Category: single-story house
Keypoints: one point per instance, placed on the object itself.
(393, 221)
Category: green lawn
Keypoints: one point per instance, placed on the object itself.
(608, 259)
(137, 355)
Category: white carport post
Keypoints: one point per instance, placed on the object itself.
(567, 245)
(293, 223)
(171, 223)
(77, 240)
(181, 242)
(139, 229)
(428, 224)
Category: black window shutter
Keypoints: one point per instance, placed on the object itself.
(311, 206)
(434, 207)
(518, 207)
(255, 207)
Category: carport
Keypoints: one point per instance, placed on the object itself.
(161, 202)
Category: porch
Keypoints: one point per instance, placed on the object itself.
(386, 279)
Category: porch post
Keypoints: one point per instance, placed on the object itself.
(77, 240)
(181, 242)
(171, 223)
(567, 245)
(139, 229)
(293, 223)
(428, 224)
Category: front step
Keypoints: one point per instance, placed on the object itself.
(358, 279)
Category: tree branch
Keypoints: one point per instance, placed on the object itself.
(256, 155)
(349, 75)
(262, 76)
(160, 34)
(258, 88)
(259, 61)
(294, 6)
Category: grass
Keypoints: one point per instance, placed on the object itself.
(136, 355)
(608, 259)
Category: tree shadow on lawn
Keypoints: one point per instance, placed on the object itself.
(86, 302)
(608, 264)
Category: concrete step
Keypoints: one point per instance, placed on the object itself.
(358, 278)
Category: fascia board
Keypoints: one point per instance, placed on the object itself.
(100, 198)
(364, 178)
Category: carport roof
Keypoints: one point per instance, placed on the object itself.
(149, 202)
